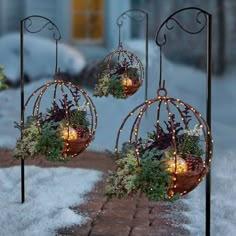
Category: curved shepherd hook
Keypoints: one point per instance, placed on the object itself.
(138, 16)
(28, 25)
(203, 19)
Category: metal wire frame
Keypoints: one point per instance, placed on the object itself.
(47, 24)
(28, 24)
(137, 15)
(170, 104)
(172, 19)
(116, 57)
(62, 86)
(203, 20)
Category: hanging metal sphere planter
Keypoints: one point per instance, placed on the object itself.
(62, 131)
(179, 150)
(120, 74)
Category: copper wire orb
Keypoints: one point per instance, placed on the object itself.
(75, 140)
(119, 63)
(169, 110)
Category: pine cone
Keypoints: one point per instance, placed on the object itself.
(194, 163)
(82, 132)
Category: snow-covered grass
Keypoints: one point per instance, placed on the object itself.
(49, 194)
(223, 207)
(189, 85)
(39, 57)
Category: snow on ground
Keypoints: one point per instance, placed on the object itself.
(48, 198)
(39, 57)
(223, 207)
(189, 85)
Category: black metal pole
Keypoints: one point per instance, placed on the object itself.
(22, 107)
(56, 70)
(208, 18)
(146, 63)
(56, 37)
(146, 40)
(208, 114)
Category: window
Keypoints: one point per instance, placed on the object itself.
(88, 20)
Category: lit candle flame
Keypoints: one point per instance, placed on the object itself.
(71, 135)
(181, 165)
(126, 81)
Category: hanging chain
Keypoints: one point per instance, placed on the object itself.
(161, 91)
(160, 65)
(120, 43)
(56, 56)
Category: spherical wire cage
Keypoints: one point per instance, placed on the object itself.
(68, 103)
(181, 135)
(120, 74)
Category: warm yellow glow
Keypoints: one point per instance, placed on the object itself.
(126, 81)
(181, 165)
(72, 134)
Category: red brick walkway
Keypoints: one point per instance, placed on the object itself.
(125, 217)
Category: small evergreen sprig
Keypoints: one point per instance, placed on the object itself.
(47, 140)
(125, 149)
(122, 182)
(154, 180)
(77, 115)
(111, 82)
(190, 142)
(51, 143)
(132, 72)
(116, 88)
(187, 141)
(102, 87)
(34, 144)
(78, 118)
(3, 85)
(190, 145)
(26, 147)
(151, 177)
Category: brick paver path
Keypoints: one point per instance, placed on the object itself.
(116, 217)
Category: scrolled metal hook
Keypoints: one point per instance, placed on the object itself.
(28, 24)
(171, 18)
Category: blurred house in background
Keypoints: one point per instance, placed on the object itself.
(187, 49)
(91, 26)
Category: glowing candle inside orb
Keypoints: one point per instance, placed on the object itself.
(181, 165)
(71, 135)
(126, 81)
